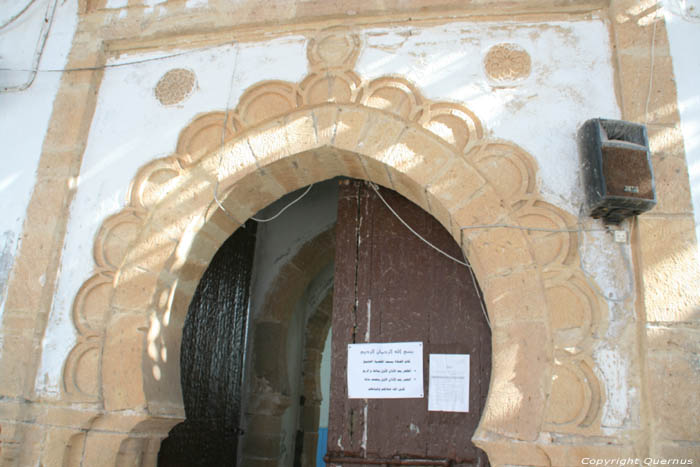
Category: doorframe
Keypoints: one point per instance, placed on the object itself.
(332, 124)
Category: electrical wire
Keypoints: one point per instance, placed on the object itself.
(14, 17)
(463, 263)
(223, 135)
(580, 229)
(680, 9)
(651, 72)
(38, 50)
(221, 156)
(284, 208)
(478, 292)
(532, 229)
(629, 268)
(118, 64)
(48, 21)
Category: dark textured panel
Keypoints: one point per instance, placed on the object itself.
(414, 294)
(212, 359)
(345, 413)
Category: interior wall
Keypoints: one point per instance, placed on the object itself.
(278, 241)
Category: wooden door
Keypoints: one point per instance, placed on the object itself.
(392, 287)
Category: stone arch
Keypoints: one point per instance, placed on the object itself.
(270, 394)
(284, 136)
(317, 331)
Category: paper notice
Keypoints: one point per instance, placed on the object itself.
(385, 371)
(448, 387)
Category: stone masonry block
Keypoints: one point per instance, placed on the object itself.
(674, 388)
(58, 446)
(410, 188)
(74, 419)
(122, 362)
(310, 418)
(518, 380)
(230, 163)
(218, 227)
(318, 164)
(501, 249)
(443, 216)
(349, 127)
(271, 340)
(17, 356)
(377, 172)
(672, 339)
(457, 183)
(352, 167)
(381, 134)
(672, 185)
(269, 142)
(259, 443)
(288, 174)
(502, 453)
(670, 268)
(313, 256)
(681, 451)
(102, 448)
(634, 76)
(418, 154)
(484, 208)
(250, 194)
(301, 132)
(58, 164)
(75, 105)
(666, 141)
(517, 296)
(634, 29)
(135, 289)
(325, 118)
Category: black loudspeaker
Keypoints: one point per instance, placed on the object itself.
(616, 164)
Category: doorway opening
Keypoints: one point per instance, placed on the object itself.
(287, 404)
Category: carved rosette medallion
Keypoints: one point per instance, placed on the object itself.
(175, 86)
(507, 63)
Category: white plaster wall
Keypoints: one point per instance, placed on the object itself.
(131, 128)
(21, 27)
(24, 116)
(683, 27)
(571, 81)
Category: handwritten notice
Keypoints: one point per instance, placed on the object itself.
(448, 387)
(385, 371)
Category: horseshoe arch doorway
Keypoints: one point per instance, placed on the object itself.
(261, 382)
